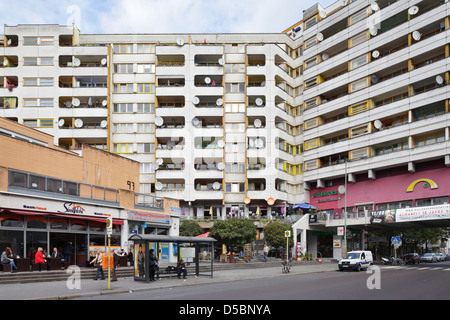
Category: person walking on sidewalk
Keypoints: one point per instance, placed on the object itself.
(98, 262)
(266, 252)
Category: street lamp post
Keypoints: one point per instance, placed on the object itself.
(345, 209)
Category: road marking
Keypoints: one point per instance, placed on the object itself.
(423, 268)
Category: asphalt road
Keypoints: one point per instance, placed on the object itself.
(411, 282)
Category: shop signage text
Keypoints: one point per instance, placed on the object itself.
(72, 208)
(149, 217)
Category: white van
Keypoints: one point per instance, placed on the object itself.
(356, 260)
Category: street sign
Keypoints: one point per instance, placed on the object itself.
(396, 241)
(340, 231)
(287, 234)
(109, 225)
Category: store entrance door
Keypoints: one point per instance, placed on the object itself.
(72, 246)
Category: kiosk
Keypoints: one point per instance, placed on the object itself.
(197, 253)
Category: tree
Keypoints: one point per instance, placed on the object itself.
(190, 228)
(274, 233)
(234, 232)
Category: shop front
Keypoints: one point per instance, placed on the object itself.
(76, 229)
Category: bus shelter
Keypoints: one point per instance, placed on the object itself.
(196, 252)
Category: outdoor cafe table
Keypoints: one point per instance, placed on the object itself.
(22, 264)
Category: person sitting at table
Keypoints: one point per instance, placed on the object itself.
(181, 268)
(39, 258)
(57, 254)
(7, 258)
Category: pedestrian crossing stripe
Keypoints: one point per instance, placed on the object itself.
(416, 268)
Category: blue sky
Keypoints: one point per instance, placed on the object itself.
(160, 16)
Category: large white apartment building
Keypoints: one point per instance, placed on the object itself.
(245, 124)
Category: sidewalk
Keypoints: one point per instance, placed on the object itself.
(58, 290)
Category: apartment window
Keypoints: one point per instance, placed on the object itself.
(146, 107)
(311, 144)
(30, 82)
(234, 107)
(235, 68)
(235, 87)
(360, 153)
(391, 148)
(123, 107)
(30, 41)
(123, 88)
(310, 42)
(30, 61)
(358, 16)
(311, 123)
(146, 147)
(312, 164)
(145, 48)
(123, 148)
(235, 147)
(235, 48)
(235, 127)
(310, 22)
(146, 87)
(45, 123)
(123, 48)
(430, 139)
(360, 84)
(145, 127)
(123, 128)
(431, 201)
(35, 102)
(235, 167)
(46, 82)
(235, 187)
(146, 68)
(46, 61)
(358, 39)
(354, 132)
(46, 102)
(31, 123)
(146, 167)
(123, 68)
(46, 41)
(358, 62)
(310, 63)
(359, 107)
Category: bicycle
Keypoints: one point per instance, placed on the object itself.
(286, 266)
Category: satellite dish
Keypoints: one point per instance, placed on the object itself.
(220, 166)
(322, 14)
(220, 144)
(259, 102)
(374, 6)
(320, 36)
(104, 103)
(259, 143)
(416, 35)
(76, 102)
(216, 185)
(195, 122)
(78, 123)
(344, 2)
(68, 104)
(219, 102)
(251, 143)
(159, 121)
(171, 144)
(154, 166)
(325, 56)
(76, 62)
(221, 61)
(377, 124)
(9, 42)
(375, 54)
(195, 100)
(103, 124)
(158, 186)
(373, 31)
(159, 161)
(61, 122)
(5, 63)
(104, 61)
(413, 10)
(180, 42)
(341, 190)
(374, 79)
(207, 80)
(257, 123)
(439, 80)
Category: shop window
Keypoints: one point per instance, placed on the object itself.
(78, 225)
(431, 201)
(97, 226)
(58, 224)
(36, 222)
(11, 221)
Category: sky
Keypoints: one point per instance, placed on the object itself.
(160, 16)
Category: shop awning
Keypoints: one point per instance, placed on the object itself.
(54, 214)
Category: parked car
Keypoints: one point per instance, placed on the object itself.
(428, 257)
(440, 257)
(411, 258)
(447, 256)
